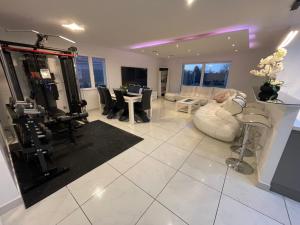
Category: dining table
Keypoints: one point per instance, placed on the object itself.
(131, 99)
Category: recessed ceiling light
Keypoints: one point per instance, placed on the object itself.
(74, 27)
(189, 2)
(236, 50)
(228, 38)
(233, 45)
(169, 56)
(156, 52)
(189, 50)
(177, 45)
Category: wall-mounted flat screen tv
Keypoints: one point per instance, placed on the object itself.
(133, 75)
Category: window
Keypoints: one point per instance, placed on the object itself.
(99, 71)
(215, 75)
(83, 71)
(192, 74)
(206, 75)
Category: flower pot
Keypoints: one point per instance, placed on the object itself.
(268, 92)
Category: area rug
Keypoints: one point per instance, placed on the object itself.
(96, 143)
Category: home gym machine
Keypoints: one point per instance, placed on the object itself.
(31, 72)
(35, 140)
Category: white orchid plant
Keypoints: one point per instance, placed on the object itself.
(270, 66)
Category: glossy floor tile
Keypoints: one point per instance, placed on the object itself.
(92, 183)
(126, 159)
(151, 175)
(243, 189)
(159, 215)
(121, 203)
(49, 211)
(231, 212)
(192, 201)
(160, 133)
(172, 124)
(175, 176)
(192, 131)
(170, 155)
(148, 145)
(184, 142)
(293, 208)
(206, 171)
(213, 149)
(76, 218)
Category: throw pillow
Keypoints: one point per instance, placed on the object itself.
(221, 97)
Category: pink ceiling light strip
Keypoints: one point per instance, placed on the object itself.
(251, 30)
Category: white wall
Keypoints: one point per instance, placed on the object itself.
(114, 59)
(291, 73)
(9, 192)
(239, 77)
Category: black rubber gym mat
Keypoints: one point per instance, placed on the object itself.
(96, 143)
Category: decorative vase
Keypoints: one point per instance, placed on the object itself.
(268, 92)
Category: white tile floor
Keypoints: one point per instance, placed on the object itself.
(176, 175)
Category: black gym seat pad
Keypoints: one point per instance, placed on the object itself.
(97, 143)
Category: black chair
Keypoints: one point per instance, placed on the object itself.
(145, 104)
(109, 103)
(121, 105)
(102, 99)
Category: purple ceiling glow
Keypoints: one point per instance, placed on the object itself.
(251, 30)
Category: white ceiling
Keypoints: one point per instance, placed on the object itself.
(121, 23)
(210, 45)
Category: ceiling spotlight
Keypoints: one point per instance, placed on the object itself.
(156, 52)
(189, 2)
(228, 38)
(288, 39)
(233, 45)
(74, 27)
(177, 45)
(236, 50)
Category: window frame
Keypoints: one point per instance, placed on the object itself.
(203, 71)
(104, 70)
(201, 76)
(89, 73)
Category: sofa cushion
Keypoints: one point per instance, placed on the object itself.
(171, 96)
(221, 96)
(186, 90)
(203, 92)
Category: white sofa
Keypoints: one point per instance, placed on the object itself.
(217, 121)
(203, 93)
(212, 118)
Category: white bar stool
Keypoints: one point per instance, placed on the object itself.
(236, 146)
(249, 121)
